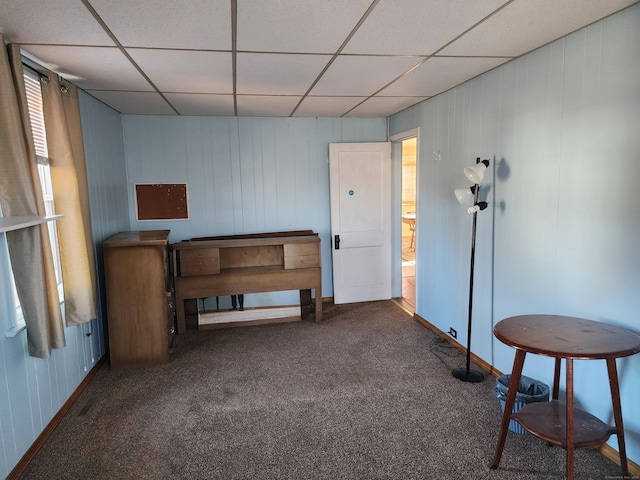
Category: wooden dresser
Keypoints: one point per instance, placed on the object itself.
(239, 264)
(139, 307)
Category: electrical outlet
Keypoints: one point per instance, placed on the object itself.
(453, 333)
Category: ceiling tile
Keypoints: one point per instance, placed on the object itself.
(297, 26)
(266, 106)
(526, 25)
(65, 22)
(93, 68)
(134, 103)
(186, 71)
(200, 24)
(184, 48)
(202, 104)
(273, 74)
(326, 106)
(441, 73)
(383, 106)
(361, 75)
(417, 27)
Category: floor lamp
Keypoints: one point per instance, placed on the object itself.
(475, 173)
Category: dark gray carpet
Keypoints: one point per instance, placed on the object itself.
(367, 394)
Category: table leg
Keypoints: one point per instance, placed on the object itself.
(306, 304)
(617, 413)
(181, 325)
(508, 407)
(569, 419)
(556, 380)
(318, 291)
(180, 315)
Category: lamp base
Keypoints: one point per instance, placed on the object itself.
(465, 375)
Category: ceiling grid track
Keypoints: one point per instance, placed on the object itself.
(285, 58)
(125, 53)
(423, 61)
(234, 53)
(335, 55)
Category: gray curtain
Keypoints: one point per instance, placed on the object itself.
(20, 195)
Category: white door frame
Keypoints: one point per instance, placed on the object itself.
(396, 209)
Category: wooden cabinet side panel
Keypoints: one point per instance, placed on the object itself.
(136, 305)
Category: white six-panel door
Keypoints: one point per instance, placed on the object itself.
(360, 179)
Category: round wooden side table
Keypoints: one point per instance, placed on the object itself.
(567, 338)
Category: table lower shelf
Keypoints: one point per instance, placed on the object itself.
(548, 421)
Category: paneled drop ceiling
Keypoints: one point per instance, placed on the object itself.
(311, 58)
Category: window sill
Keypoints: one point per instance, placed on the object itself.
(13, 331)
(20, 323)
(8, 224)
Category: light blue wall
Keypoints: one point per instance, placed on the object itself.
(561, 126)
(33, 390)
(244, 175)
(106, 175)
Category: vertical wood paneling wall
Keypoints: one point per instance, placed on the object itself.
(244, 175)
(33, 390)
(561, 126)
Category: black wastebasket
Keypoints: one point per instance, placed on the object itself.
(529, 391)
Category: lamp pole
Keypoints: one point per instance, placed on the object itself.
(466, 374)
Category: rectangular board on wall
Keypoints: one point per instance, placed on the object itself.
(161, 201)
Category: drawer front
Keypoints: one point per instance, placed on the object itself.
(293, 249)
(199, 261)
(301, 261)
(301, 255)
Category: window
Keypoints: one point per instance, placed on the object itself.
(36, 116)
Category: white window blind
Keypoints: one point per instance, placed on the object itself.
(36, 116)
(34, 100)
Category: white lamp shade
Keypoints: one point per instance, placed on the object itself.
(464, 195)
(475, 173)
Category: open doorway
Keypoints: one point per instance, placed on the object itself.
(409, 221)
